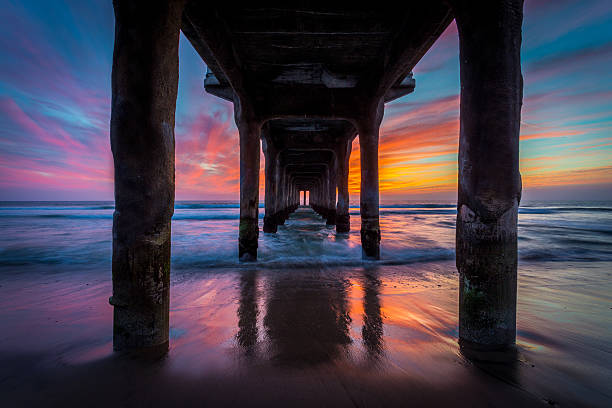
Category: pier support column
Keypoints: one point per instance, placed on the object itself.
(331, 206)
(323, 194)
(269, 224)
(293, 196)
(312, 197)
(280, 193)
(320, 196)
(249, 130)
(289, 198)
(489, 178)
(144, 89)
(368, 128)
(284, 191)
(343, 219)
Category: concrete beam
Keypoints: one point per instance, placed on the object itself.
(421, 28)
(214, 87)
(212, 40)
(403, 88)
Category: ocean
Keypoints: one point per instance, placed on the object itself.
(309, 301)
(204, 234)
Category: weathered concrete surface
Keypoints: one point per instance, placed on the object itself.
(249, 129)
(331, 181)
(144, 89)
(343, 219)
(489, 178)
(368, 129)
(271, 197)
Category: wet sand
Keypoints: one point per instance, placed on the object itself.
(343, 336)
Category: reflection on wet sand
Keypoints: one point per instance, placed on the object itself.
(377, 335)
(307, 317)
(372, 332)
(247, 312)
(307, 334)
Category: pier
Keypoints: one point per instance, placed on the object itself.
(305, 82)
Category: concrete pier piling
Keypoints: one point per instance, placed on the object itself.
(343, 219)
(489, 178)
(144, 90)
(271, 194)
(249, 131)
(331, 206)
(303, 93)
(368, 128)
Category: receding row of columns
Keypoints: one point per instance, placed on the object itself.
(328, 191)
(282, 196)
(144, 90)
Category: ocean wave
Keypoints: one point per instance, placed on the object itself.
(33, 255)
(324, 261)
(384, 211)
(563, 255)
(66, 216)
(553, 210)
(75, 208)
(176, 217)
(426, 205)
(278, 258)
(198, 206)
(524, 210)
(205, 235)
(208, 217)
(187, 205)
(586, 228)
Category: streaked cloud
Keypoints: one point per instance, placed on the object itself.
(55, 109)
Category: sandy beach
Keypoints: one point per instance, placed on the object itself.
(291, 330)
(269, 337)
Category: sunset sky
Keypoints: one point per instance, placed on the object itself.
(55, 110)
